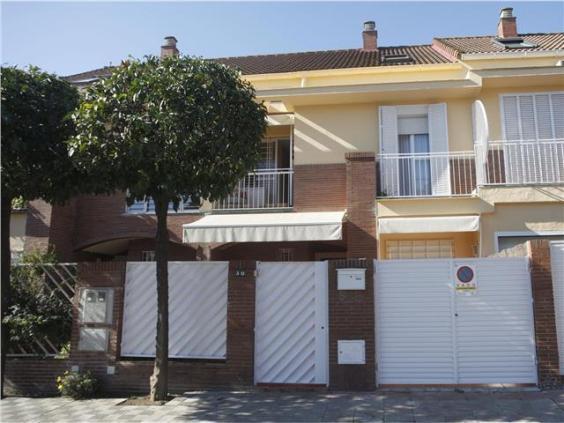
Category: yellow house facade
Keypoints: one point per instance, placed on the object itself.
(469, 153)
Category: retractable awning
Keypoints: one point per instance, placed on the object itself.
(405, 225)
(265, 227)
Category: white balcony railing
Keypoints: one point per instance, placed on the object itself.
(521, 162)
(426, 174)
(261, 189)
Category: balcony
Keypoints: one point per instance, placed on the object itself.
(521, 162)
(261, 189)
(426, 174)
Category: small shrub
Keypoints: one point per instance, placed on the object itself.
(77, 385)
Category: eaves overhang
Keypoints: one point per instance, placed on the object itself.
(367, 88)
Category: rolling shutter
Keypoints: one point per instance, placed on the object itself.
(438, 137)
(389, 174)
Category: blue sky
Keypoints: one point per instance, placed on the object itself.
(70, 37)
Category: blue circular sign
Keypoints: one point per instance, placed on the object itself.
(465, 274)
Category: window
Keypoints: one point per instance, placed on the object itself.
(537, 116)
(508, 241)
(419, 249)
(147, 205)
(286, 254)
(148, 255)
(415, 165)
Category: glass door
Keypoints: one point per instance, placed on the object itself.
(414, 165)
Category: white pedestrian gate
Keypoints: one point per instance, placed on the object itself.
(197, 310)
(557, 263)
(291, 341)
(428, 332)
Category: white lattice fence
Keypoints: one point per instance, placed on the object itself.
(197, 310)
(58, 279)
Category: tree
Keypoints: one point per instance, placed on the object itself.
(172, 129)
(36, 108)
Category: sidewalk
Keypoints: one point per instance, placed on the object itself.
(299, 406)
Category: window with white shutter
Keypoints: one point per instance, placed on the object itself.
(538, 116)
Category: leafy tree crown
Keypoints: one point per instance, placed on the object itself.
(36, 109)
(172, 128)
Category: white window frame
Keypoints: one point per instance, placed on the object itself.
(502, 234)
(522, 94)
(179, 211)
(148, 255)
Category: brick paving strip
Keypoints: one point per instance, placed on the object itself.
(247, 406)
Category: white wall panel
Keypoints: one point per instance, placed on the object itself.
(291, 323)
(495, 327)
(197, 310)
(414, 330)
(557, 263)
(427, 333)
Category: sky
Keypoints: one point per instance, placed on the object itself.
(73, 37)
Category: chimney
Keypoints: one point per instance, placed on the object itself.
(169, 47)
(369, 36)
(507, 26)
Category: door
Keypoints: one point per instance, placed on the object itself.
(430, 333)
(557, 264)
(415, 165)
(291, 341)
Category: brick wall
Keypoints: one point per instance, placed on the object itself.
(176, 252)
(543, 306)
(133, 375)
(101, 218)
(351, 317)
(360, 201)
(272, 251)
(37, 226)
(33, 376)
(320, 187)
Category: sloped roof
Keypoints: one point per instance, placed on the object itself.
(486, 43)
(443, 50)
(333, 59)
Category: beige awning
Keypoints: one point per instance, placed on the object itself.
(407, 225)
(265, 227)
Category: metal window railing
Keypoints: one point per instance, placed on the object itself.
(261, 189)
(529, 162)
(426, 174)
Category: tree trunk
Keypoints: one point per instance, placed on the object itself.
(159, 379)
(5, 275)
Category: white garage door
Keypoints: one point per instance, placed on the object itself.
(430, 333)
(557, 262)
(197, 310)
(291, 343)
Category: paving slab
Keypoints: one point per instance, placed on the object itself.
(251, 406)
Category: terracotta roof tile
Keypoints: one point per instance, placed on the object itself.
(486, 44)
(443, 50)
(333, 59)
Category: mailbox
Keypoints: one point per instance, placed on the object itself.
(351, 279)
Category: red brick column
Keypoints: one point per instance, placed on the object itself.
(361, 194)
(99, 275)
(545, 323)
(351, 317)
(319, 187)
(241, 322)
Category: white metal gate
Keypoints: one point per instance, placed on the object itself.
(291, 341)
(197, 310)
(430, 333)
(557, 263)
